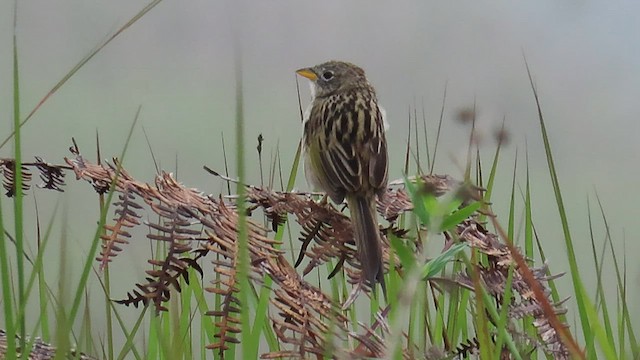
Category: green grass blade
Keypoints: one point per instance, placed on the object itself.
(450, 221)
(528, 235)
(185, 335)
(528, 217)
(571, 256)
(206, 321)
(96, 237)
(42, 286)
(426, 137)
(492, 176)
(38, 274)
(608, 349)
(555, 295)
(18, 180)
(408, 148)
(129, 344)
(437, 264)
(621, 284)
(7, 301)
(114, 312)
(81, 64)
(512, 201)
(601, 299)
(435, 147)
(260, 320)
(504, 309)
(249, 345)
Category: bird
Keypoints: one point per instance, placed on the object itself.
(345, 152)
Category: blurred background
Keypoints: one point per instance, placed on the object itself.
(177, 63)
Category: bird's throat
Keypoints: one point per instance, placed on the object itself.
(312, 87)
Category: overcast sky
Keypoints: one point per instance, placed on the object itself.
(178, 63)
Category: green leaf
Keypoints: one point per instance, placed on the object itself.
(455, 218)
(436, 265)
(407, 259)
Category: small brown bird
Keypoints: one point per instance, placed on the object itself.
(346, 151)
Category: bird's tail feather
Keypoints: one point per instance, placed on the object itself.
(367, 237)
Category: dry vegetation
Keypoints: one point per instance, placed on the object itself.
(201, 233)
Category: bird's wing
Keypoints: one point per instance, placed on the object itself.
(322, 173)
(356, 163)
(378, 164)
(346, 160)
(378, 161)
(344, 165)
(384, 118)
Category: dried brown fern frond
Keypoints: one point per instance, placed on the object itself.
(467, 348)
(99, 176)
(116, 235)
(305, 315)
(310, 322)
(186, 216)
(40, 350)
(300, 308)
(495, 276)
(8, 170)
(166, 273)
(222, 232)
(228, 315)
(326, 232)
(320, 220)
(52, 176)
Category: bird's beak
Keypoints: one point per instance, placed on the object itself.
(308, 73)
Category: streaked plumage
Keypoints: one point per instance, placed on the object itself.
(346, 151)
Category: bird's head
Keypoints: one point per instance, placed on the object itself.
(333, 77)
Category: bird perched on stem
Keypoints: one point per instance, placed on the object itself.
(346, 152)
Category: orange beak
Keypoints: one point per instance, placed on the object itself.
(308, 73)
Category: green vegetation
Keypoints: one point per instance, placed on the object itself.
(480, 297)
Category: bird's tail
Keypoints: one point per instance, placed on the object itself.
(367, 237)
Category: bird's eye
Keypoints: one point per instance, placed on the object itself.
(327, 75)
